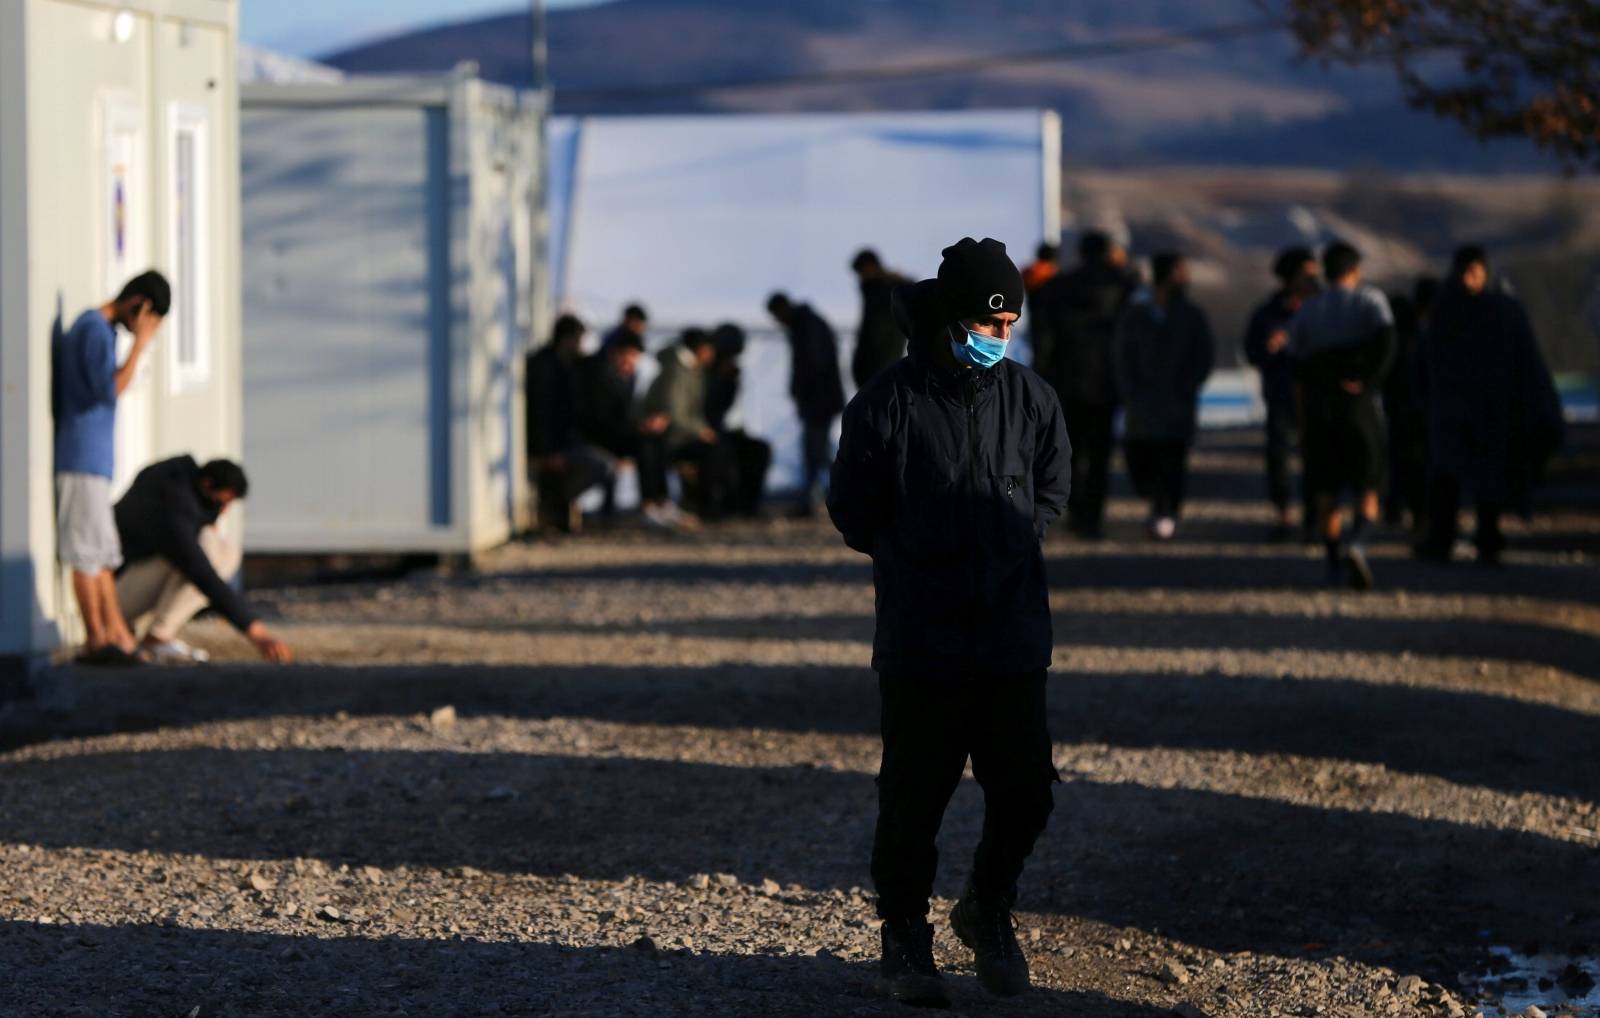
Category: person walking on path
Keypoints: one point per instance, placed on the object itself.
(1074, 330)
(816, 387)
(1342, 343)
(1164, 355)
(1266, 347)
(1403, 412)
(86, 385)
(178, 562)
(879, 342)
(1493, 412)
(951, 467)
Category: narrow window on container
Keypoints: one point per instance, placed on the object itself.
(189, 324)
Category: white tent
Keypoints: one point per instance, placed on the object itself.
(701, 217)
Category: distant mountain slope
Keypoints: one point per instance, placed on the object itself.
(1245, 101)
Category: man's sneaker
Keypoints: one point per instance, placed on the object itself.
(907, 972)
(1360, 571)
(174, 652)
(988, 929)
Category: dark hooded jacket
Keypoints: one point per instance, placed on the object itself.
(879, 341)
(949, 478)
(1493, 412)
(814, 379)
(1164, 356)
(1277, 369)
(1075, 331)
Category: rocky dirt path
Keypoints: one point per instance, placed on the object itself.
(621, 775)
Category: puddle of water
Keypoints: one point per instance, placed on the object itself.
(1560, 985)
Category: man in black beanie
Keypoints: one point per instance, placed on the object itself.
(952, 464)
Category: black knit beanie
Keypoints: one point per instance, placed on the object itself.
(977, 278)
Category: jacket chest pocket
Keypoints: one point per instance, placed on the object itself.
(1010, 499)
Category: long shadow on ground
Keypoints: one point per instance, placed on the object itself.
(149, 971)
(1467, 738)
(1225, 871)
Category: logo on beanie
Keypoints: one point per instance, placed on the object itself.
(998, 301)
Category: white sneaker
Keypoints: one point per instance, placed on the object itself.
(1164, 527)
(661, 517)
(175, 652)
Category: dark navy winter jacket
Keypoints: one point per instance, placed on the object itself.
(949, 479)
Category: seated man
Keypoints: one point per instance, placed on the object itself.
(676, 433)
(561, 466)
(176, 561)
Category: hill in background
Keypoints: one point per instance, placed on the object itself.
(1244, 101)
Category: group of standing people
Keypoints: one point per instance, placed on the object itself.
(1436, 396)
(1105, 341)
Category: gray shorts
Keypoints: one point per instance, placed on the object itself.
(86, 528)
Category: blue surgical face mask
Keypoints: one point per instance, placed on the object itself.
(979, 350)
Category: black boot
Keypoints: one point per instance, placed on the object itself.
(907, 972)
(986, 926)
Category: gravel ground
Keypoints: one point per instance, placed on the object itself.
(626, 775)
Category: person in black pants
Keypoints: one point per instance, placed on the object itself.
(1074, 329)
(1493, 412)
(816, 387)
(1266, 347)
(951, 466)
(1164, 355)
(1342, 343)
(561, 466)
(748, 456)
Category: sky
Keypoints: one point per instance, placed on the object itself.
(310, 28)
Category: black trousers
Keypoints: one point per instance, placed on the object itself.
(1160, 472)
(816, 455)
(709, 459)
(1281, 429)
(1091, 428)
(745, 480)
(1444, 502)
(929, 731)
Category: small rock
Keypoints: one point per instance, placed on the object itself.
(1124, 944)
(329, 914)
(726, 880)
(1174, 973)
(1409, 986)
(700, 881)
(262, 882)
(373, 874)
(443, 717)
(770, 887)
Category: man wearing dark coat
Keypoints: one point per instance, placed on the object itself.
(1266, 347)
(952, 465)
(1164, 355)
(816, 387)
(1493, 413)
(1074, 327)
(879, 342)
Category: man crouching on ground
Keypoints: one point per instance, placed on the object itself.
(951, 466)
(177, 562)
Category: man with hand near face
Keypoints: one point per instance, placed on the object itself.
(87, 383)
(952, 464)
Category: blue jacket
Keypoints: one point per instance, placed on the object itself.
(949, 479)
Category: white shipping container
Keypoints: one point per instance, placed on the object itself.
(118, 153)
(392, 234)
